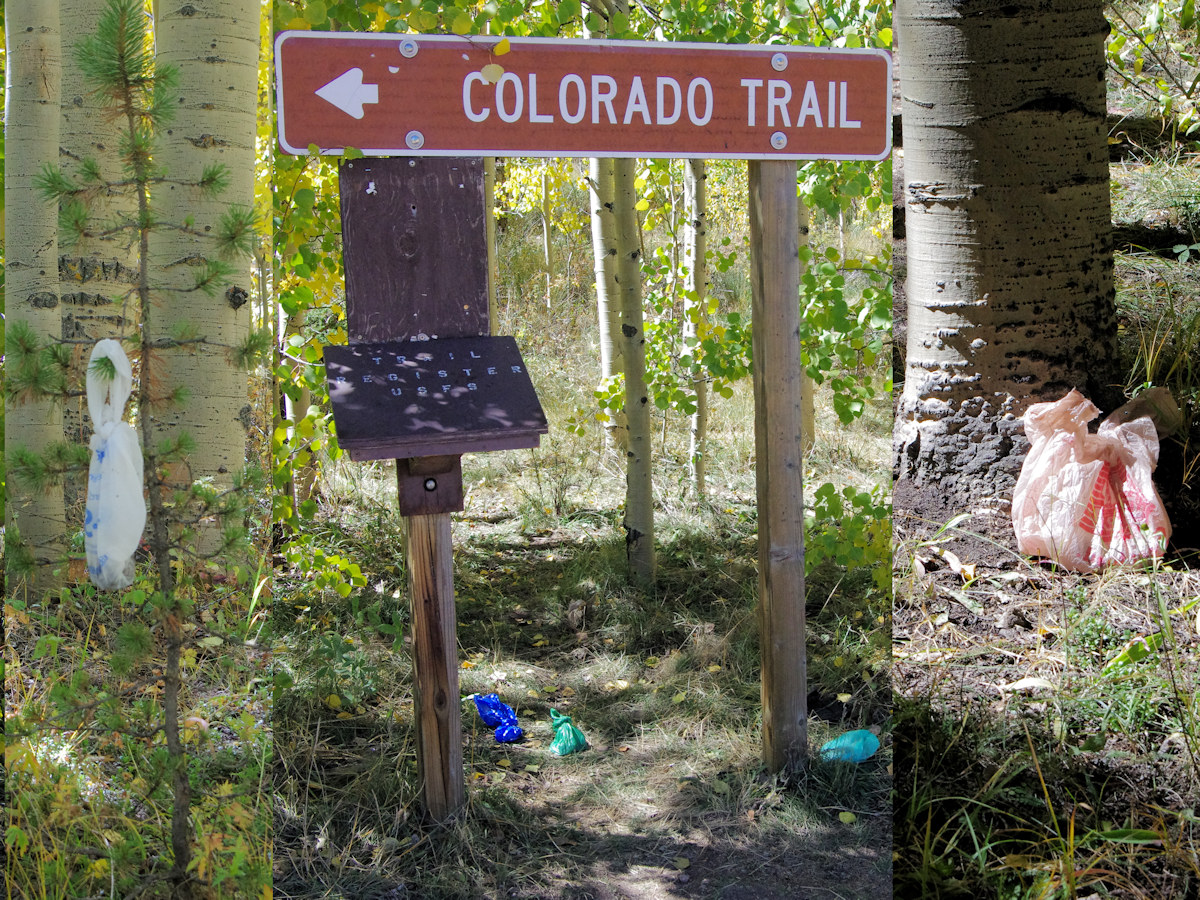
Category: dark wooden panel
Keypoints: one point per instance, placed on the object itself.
(414, 247)
(403, 399)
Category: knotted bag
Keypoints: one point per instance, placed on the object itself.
(116, 509)
(1088, 500)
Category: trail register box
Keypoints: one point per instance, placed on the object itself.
(447, 396)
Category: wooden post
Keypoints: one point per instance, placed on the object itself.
(435, 664)
(416, 267)
(775, 282)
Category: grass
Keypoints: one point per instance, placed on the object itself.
(665, 687)
(88, 799)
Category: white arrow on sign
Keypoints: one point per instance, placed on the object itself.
(348, 93)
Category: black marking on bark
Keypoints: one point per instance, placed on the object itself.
(237, 297)
(628, 330)
(43, 300)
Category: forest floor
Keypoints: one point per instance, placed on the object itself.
(671, 799)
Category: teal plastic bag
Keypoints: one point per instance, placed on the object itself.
(567, 738)
(853, 746)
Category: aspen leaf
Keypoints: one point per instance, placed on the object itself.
(504, 763)
(642, 205)
(333, 701)
(501, 48)
(679, 698)
(651, 662)
(315, 12)
(492, 72)
(844, 698)
(681, 862)
(719, 786)
(462, 23)
(847, 817)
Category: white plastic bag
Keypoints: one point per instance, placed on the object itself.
(1087, 500)
(116, 510)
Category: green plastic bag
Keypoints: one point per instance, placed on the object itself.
(567, 738)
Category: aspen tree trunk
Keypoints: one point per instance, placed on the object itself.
(31, 251)
(1010, 291)
(99, 275)
(639, 490)
(214, 43)
(695, 238)
(604, 254)
(547, 245)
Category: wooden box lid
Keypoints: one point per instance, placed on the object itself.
(406, 399)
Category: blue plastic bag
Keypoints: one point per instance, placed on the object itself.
(499, 715)
(853, 746)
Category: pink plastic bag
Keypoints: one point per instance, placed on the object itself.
(1087, 500)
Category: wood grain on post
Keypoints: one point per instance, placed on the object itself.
(775, 282)
(435, 664)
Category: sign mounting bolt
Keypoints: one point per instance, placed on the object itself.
(779, 140)
(778, 61)
(431, 484)
(414, 140)
(408, 48)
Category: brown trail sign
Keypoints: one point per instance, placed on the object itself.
(423, 383)
(438, 95)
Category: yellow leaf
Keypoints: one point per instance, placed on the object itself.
(642, 205)
(651, 662)
(504, 763)
(847, 817)
(533, 770)
(501, 48)
(492, 72)
(532, 693)
(679, 698)
(714, 668)
(844, 698)
(462, 23)
(681, 862)
(333, 701)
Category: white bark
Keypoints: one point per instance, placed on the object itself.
(214, 43)
(1010, 294)
(695, 241)
(31, 251)
(99, 274)
(639, 490)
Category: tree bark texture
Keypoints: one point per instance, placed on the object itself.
(214, 44)
(31, 250)
(639, 487)
(695, 239)
(779, 469)
(99, 275)
(547, 242)
(1010, 292)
